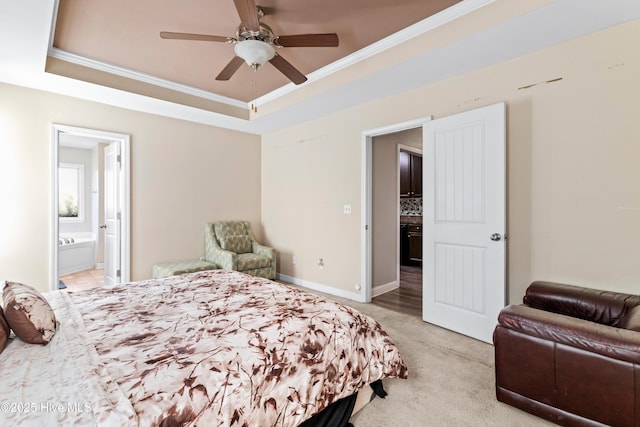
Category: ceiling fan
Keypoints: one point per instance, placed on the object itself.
(256, 44)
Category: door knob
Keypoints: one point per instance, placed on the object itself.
(103, 226)
(495, 237)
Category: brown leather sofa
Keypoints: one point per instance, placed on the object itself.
(571, 355)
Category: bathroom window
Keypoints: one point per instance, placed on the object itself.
(71, 192)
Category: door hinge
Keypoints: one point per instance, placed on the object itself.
(119, 158)
(119, 216)
(118, 273)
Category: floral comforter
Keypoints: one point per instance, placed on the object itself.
(63, 383)
(224, 348)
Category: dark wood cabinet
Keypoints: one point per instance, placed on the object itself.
(404, 244)
(416, 175)
(410, 244)
(414, 237)
(410, 174)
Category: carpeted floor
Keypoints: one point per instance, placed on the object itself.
(451, 379)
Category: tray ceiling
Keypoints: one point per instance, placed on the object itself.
(125, 35)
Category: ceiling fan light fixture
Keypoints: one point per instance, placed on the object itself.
(254, 52)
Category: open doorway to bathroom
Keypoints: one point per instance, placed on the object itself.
(91, 208)
(80, 252)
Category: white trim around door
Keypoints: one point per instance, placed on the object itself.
(366, 198)
(57, 132)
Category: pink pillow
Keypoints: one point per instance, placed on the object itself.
(28, 313)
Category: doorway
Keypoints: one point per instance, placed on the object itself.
(397, 217)
(382, 274)
(87, 186)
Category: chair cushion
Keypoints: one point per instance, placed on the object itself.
(239, 243)
(251, 261)
(231, 228)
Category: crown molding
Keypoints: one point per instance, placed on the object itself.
(141, 77)
(434, 21)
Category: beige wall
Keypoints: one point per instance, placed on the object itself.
(573, 149)
(573, 194)
(384, 210)
(182, 175)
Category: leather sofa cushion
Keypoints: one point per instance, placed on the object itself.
(631, 320)
(589, 336)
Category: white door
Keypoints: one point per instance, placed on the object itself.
(464, 221)
(112, 214)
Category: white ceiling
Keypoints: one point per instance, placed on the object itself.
(25, 28)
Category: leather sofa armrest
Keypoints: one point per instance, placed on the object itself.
(616, 343)
(599, 306)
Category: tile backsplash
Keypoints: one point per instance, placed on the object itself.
(411, 207)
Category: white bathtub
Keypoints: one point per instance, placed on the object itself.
(77, 255)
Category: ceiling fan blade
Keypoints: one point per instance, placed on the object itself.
(248, 14)
(288, 70)
(230, 69)
(189, 36)
(308, 40)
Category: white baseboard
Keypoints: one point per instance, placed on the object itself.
(100, 266)
(383, 289)
(354, 296)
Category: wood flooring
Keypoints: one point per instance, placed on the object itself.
(407, 298)
(85, 279)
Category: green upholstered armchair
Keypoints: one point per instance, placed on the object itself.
(231, 245)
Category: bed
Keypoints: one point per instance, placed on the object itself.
(204, 349)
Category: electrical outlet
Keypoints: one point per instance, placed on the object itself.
(347, 209)
(294, 260)
(320, 263)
